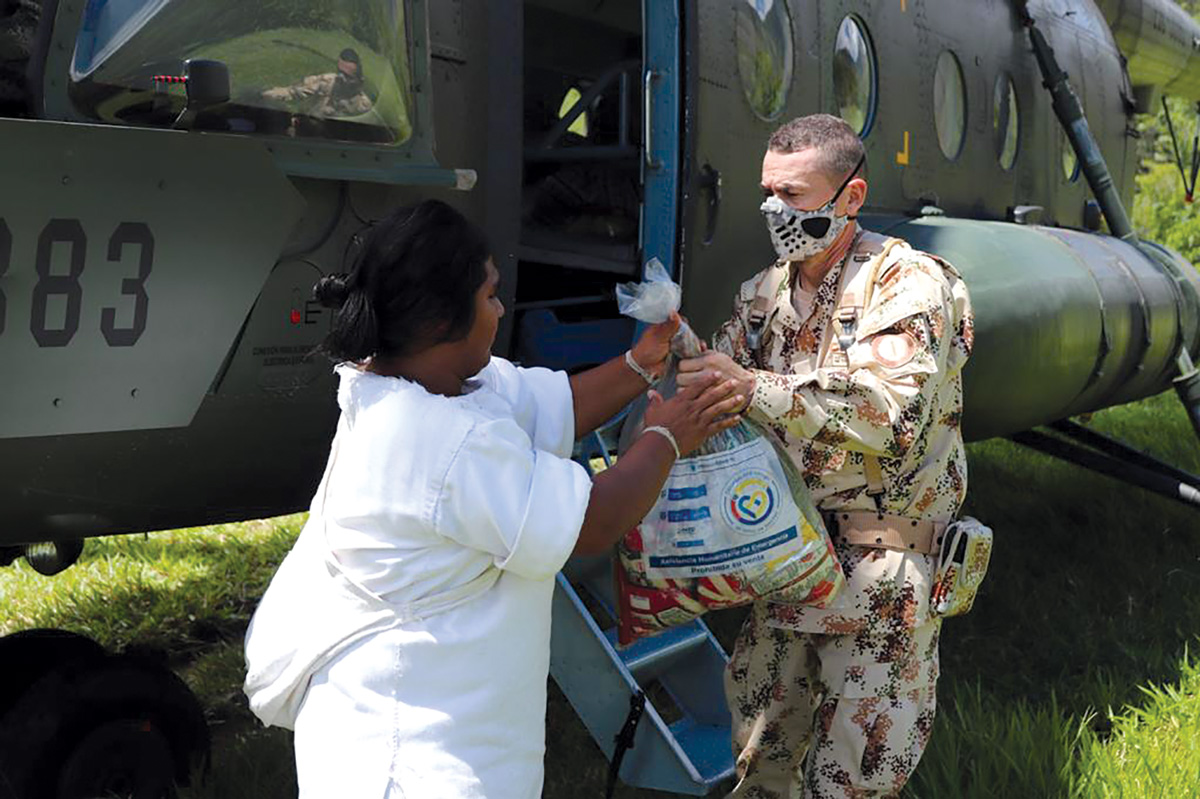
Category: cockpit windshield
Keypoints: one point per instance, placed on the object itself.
(332, 69)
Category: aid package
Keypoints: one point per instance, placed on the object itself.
(734, 522)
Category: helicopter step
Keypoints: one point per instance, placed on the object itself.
(682, 743)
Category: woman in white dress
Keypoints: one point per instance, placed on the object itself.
(406, 637)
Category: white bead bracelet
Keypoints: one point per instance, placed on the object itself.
(639, 369)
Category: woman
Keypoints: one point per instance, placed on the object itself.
(406, 637)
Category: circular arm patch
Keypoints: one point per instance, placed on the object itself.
(893, 349)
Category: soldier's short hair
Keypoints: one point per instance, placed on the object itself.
(840, 147)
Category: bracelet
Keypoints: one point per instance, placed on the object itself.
(667, 434)
(637, 368)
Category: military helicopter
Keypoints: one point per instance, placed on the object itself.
(177, 174)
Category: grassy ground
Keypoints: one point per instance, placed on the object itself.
(1071, 678)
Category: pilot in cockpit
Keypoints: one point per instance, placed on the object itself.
(332, 94)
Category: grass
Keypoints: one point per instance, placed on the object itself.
(1091, 599)
(177, 591)
(1072, 677)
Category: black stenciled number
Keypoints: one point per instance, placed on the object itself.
(58, 231)
(5, 257)
(139, 234)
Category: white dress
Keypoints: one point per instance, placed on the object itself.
(411, 622)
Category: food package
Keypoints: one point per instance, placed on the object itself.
(734, 522)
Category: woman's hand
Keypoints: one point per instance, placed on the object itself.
(698, 411)
(654, 346)
(694, 370)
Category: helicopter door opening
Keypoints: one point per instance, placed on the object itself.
(588, 188)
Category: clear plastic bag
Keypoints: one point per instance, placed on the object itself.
(734, 522)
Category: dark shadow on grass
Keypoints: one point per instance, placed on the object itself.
(1091, 593)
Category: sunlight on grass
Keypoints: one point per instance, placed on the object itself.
(1154, 750)
(172, 590)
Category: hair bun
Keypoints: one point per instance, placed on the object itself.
(332, 290)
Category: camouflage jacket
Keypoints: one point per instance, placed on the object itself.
(324, 101)
(895, 394)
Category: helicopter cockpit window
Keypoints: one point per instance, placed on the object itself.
(854, 75)
(764, 51)
(949, 104)
(1005, 121)
(331, 69)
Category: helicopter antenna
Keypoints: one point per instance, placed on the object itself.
(1189, 182)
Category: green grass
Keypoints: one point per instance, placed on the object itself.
(177, 591)
(1154, 750)
(1092, 594)
(1071, 678)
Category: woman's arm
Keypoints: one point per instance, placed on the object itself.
(601, 392)
(623, 494)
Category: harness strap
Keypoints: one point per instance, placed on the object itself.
(847, 316)
(763, 306)
(873, 471)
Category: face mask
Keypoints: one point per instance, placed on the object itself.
(802, 234)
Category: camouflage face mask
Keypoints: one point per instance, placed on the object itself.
(802, 234)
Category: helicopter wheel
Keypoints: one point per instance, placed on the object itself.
(29, 654)
(121, 727)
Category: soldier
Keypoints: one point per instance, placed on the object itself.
(333, 94)
(851, 348)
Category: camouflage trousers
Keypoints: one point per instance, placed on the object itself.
(820, 716)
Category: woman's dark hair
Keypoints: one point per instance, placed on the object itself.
(412, 286)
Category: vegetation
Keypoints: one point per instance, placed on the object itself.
(1161, 211)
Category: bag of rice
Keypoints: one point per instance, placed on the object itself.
(734, 523)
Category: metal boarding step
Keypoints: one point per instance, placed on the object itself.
(683, 741)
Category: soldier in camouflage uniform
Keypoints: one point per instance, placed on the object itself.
(857, 369)
(333, 94)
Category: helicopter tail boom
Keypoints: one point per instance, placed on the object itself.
(1162, 44)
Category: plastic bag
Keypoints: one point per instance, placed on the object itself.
(734, 522)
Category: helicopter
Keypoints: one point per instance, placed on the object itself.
(179, 173)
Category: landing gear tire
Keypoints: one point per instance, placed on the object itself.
(119, 726)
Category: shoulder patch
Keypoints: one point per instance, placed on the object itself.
(893, 350)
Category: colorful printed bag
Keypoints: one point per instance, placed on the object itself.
(962, 565)
(734, 523)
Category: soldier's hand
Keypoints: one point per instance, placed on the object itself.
(693, 370)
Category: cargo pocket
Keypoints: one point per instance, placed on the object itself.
(874, 743)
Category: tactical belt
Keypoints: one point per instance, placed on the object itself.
(866, 529)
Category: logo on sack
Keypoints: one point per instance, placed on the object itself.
(750, 500)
